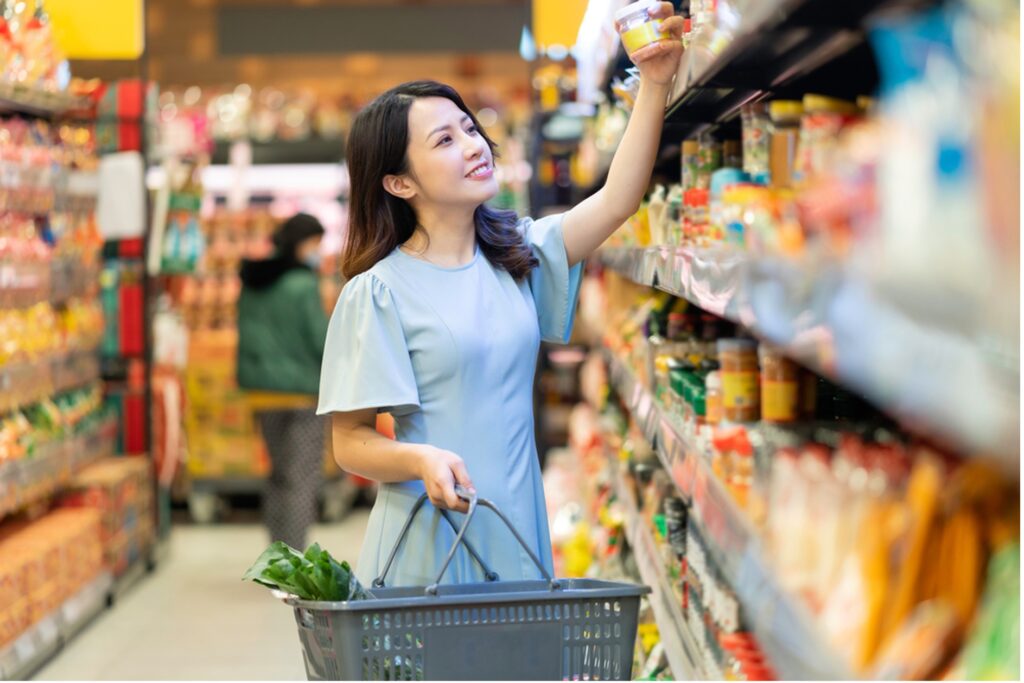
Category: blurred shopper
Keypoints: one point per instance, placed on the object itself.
(442, 319)
(281, 330)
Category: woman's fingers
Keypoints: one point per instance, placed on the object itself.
(673, 26)
(462, 475)
(654, 50)
(663, 9)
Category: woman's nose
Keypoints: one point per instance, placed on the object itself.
(474, 148)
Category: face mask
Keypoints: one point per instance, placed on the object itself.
(313, 260)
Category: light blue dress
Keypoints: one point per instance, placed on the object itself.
(451, 353)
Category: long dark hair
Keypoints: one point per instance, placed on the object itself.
(380, 221)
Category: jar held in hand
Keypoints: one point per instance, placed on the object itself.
(637, 27)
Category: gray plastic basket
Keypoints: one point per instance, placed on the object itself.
(568, 629)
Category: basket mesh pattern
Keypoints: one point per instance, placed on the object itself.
(392, 642)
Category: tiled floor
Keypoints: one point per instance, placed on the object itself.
(195, 619)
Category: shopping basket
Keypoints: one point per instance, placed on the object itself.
(568, 629)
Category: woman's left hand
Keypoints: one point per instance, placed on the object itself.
(658, 62)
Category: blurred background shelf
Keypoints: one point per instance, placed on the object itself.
(935, 373)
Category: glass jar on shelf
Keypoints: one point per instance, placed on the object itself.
(741, 395)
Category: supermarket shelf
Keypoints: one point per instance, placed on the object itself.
(315, 150)
(930, 374)
(80, 610)
(23, 482)
(774, 45)
(680, 647)
(71, 280)
(39, 644)
(32, 102)
(783, 626)
(23, 384)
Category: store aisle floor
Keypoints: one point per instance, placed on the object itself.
(195, 619)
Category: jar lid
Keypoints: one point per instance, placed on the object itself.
(691, 146)
(785, 110)
(822, 104)
(734, 345)
(635, 8)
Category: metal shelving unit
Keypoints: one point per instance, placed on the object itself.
(38, 645)
(38, 103)
(23, 482)
(836, 323)
(783, 626)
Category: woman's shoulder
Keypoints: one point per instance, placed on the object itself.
(375, 283)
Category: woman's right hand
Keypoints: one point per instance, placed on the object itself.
(440, 471)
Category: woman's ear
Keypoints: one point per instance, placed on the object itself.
(400, 186)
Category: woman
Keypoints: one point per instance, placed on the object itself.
(442, 319)
(281, 330)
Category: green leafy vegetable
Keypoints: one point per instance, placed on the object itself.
(313, 575)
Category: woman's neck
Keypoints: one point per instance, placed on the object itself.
(446, 238)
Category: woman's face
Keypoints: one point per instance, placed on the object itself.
(450, 163)
(307, 248)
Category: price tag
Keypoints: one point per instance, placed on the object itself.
(72, 610)
(678, 280)
(669, 442)
(634, 403)
(48, 630)
(643, 409)
(25, 647)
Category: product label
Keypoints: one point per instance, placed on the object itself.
(740, 389)
(641, 36)
(713, 409)
(779, 401)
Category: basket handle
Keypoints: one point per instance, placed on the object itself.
(474, 501)
(489, 574)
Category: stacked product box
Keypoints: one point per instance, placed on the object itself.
(43, 563)
(120, 489)
(222, 434)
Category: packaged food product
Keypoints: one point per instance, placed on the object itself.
(721, 180)
(690, 164)
(637, 27)
(713, 397)
(741, 396)
(709, 159)
(823, 119)
(785, 131)
(674, 215)
(734, 446)
(657, 213)
(756, 132)
(780, 386)
(732, 153)
(697, 214)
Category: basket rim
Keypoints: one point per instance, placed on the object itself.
(452, 595)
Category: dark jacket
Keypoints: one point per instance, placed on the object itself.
(282, 327)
